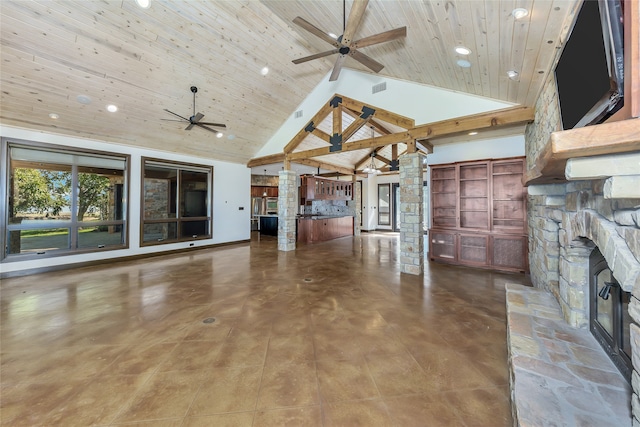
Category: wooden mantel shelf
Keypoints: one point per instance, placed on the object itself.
(607, 138)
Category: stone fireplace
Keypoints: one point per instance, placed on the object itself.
(567, 222)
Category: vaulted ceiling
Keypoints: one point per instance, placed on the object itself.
(145, 61)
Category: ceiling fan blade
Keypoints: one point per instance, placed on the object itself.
(381, 37)
(218, 125)
(353, 22)
(336, 68)
(367, 61)
(205, 127)
(315, 31)
(177, 115)
(315, 56)
(171, 120)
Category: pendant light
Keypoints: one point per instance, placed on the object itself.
(371, 167)
(264, 193)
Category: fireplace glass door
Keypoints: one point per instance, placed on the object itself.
(610, 319)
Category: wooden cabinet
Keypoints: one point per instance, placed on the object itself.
(478, 214)
(263, 191)
(321, 229)
(314, 188)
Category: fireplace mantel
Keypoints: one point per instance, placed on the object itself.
(620, 134)
(607, 138)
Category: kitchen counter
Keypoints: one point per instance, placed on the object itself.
(317, 228)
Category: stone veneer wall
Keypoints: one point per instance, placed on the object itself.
(264, 180)
(287, 210)
(566, 221)
(353, 205)
(411, 233)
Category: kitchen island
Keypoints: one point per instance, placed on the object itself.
(318, 228)
(268, 224)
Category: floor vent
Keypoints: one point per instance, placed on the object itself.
(297, 114)
(379, 87)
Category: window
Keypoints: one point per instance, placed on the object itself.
(63, 200)
(176, 202)
(384, 204)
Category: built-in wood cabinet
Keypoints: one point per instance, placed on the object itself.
(314, 188)
(263, 191)
(321, 229)
(478, 214)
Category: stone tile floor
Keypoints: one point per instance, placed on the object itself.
(560, 376)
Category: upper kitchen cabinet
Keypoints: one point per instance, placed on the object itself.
(314, 188)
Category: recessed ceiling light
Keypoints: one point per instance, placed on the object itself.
(473, 133)
(463, 50)
(519, 12)
(463, 63)
(143, 3)
(264, 71)
(112, 108)
(219, 134)
(512, 74)
(54, 116)
(333, 36)
(83, 99)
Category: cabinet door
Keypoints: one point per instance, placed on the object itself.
(444, 197)
(508, 210)
(473, 249)
(474, 192)
(509, 252)
(443, 245)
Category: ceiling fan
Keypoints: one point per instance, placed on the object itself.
(345, 45)
(194, 120)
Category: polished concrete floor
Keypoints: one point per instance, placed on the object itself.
(243, 335)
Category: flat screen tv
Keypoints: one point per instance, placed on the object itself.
(590, 72)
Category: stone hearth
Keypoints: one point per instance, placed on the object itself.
(567, 221)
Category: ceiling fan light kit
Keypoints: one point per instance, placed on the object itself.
(194, 120)
(344, 45)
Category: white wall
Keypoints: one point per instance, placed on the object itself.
(231, 190)
(496, 148)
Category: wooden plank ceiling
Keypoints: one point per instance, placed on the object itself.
(145, 61)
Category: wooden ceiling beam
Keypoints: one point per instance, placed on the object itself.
(266, 160)
(325, 165)
(337, 120)
(379, 141)
(384, 115)
(315, 120)
(322, 135)
(424, 145)
(383, 159)
(491, 119)
(353, 128)
(373, 122)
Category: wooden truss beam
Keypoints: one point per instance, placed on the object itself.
(384, 115)
(449, 127)
(380, 141)
(266, 160)
(324, 165)
(315, 120)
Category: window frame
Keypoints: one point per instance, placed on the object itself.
(179, 219)
(73, 225)
(389, 206)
